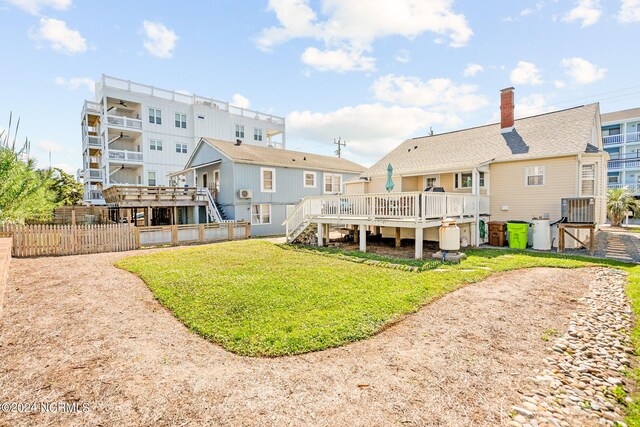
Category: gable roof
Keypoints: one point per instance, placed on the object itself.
(621, 115)
(266, 156)
(559, 133)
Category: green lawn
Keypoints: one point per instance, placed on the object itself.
(256, 298)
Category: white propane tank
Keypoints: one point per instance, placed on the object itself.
(449, 235)
(541, 234)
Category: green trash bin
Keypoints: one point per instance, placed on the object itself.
(518, 234)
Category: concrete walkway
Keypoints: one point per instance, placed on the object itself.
(618, 245)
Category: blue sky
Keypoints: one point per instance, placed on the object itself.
(371, 72)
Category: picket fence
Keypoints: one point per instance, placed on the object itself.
(52, 240)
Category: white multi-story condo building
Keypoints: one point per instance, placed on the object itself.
(621, 139)
(136, 134)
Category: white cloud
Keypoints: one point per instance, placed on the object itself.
(531, 105)
(240, 101)
(438, 94)
(559, 84)
(159, 40)
(526, 12)
(46, 146)
(473, 69)
(351, 26)
(34, 6)
(75, 83)
(60, 37)
(582, 71)
(403, 56)
(629, 11)
(526, 73)
(337, 60)
(371, 130)
(586, 11)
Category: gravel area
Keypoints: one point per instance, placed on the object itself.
(585, 364)
(76, 329)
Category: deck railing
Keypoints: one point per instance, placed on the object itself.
(412, 206)
(633, 188)
(125, 155)
(92, 141)
(140, 193)
(621, 138)
(122, 121)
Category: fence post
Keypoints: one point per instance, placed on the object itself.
(174, 234)
(201, 233)
(247, 230)
(136, 233)
(230, 232)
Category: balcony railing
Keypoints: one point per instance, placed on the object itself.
(92, 141)
(91, 107)
(413, 207)
(125, 122)
(621, 138)
(130, 86)
(93, 174)
(633, 188)
(624, 161)
(125, 156)
(94, 195)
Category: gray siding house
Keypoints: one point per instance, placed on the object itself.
(260, 184)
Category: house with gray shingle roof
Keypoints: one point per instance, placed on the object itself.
(511, 170)
(261, 184)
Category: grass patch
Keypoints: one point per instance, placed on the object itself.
(257, 299)
(356, 254)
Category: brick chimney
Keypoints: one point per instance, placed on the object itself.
(506, 110)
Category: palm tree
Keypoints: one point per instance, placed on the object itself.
(619, 202)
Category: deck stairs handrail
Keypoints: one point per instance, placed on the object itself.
(212, 209)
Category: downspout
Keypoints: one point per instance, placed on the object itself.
(476, 181)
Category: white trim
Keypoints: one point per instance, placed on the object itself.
(424, 180)
(527, 175)
(260, 205)
(324, 180)
(304, 179)
(273, 180)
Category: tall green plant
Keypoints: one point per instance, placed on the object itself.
(619, 202)
(25, 192)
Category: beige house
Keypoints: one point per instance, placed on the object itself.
(512, 170)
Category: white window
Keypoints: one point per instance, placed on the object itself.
(181, 148)
(481, 179)
(239, 131)
(181, 121)
(155, 145)
(260, 214)
(614, 179)
(151, 179)
(534, 176)
(257, 134)
(268, 180)
(430, 181)
(588, 180)
(463, 180)
(155, 116)
(332, 183)
(309, 179)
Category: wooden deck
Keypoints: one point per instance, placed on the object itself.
(137, 196)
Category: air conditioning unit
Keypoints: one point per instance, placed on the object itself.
(245, 194)
(579, 210)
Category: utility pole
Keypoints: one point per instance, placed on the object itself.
(340, 144)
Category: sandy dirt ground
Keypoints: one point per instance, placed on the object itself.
(76, 329)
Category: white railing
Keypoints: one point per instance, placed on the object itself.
(95, 195)
(91, 106)
(125, 156)
(621, 138)
(122, 121)
(212, 209)
(185, 98)
(92, 141)
(413, 207)
(93, 174)
(633, 188)
(621, 164)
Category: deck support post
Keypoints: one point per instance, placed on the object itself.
(320, 234)
(196, 214)
(377, 231)
(363, 238)
(327, 233)
(356, 237)
(419, 242)
(398, 237)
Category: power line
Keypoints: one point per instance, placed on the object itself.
(596, 95)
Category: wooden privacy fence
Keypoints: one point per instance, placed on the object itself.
(46, 240)
(43, 240)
